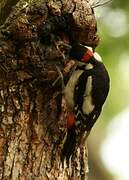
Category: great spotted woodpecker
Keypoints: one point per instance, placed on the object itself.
(85, 94)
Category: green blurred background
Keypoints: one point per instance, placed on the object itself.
(108, 142)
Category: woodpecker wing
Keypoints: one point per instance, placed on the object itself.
(90, 94)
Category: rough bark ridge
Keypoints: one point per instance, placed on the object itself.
(36, 37)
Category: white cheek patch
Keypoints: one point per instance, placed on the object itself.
(87, 101)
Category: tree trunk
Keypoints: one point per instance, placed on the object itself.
(5, 8)
(34, 44)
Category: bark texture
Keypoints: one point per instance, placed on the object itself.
(5, 8)
(34, 41)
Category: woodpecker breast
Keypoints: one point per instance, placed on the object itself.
(70, 87)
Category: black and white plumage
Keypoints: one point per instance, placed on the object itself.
(85, 94)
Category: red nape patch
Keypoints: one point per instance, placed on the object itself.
(70, 120)
(87, 56)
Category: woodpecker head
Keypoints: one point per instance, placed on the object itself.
(81, 53)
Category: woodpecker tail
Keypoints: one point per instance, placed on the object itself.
(69, 145)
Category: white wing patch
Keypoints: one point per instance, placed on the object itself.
(87, 103)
